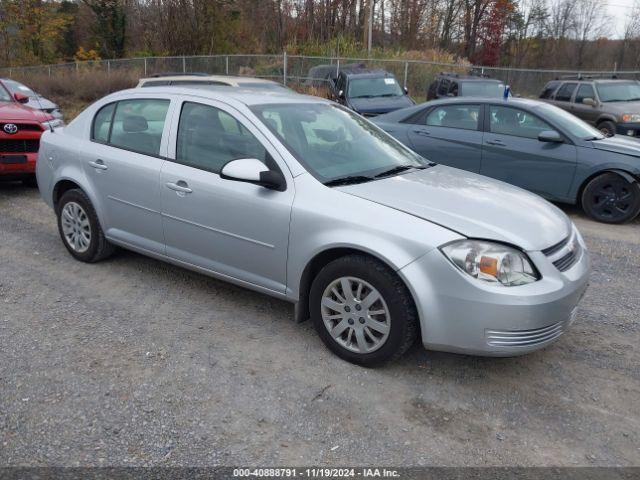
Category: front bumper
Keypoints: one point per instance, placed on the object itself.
(628, 129)
(12, 166)
(460, 314)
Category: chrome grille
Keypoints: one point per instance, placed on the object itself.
(564, 254)
(524, 338)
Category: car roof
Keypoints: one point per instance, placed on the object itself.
(245, 96)
(593, 80)
(230, 79)
(469, 78)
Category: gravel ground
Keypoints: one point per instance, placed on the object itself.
(135, 362)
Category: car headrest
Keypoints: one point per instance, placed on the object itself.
(134, 124)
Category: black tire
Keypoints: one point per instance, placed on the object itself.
(608, 128)
(99, 247)
(30, 181)
(610, 198)
(403, 317)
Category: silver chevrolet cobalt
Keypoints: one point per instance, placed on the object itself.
(299, 198)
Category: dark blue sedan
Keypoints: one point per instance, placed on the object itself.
(530, 144)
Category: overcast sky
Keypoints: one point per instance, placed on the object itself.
(619, 10)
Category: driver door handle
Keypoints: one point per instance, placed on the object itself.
(496, 142)
(180, 186)
(98, 165)
(424, 133)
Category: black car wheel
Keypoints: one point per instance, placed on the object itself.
(607, 128)
(610, 198)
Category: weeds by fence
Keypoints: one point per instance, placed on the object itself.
(293, 70)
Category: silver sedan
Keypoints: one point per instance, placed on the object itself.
(296, 197)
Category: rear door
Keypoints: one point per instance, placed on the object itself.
(512, 152)
(124, 165)
(449, 134)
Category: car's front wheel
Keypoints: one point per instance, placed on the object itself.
(610, 198)
(363, 311)
(80, 229)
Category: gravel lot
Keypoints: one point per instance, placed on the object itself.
(135, 362)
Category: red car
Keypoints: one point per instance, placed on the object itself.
(20, 131)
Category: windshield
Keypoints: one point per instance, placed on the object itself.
(482, 89)
(569, 122)
(333, 143)
(16, 87)
(4, 95)
(619, 92)
(374, 87)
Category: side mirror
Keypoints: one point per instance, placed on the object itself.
(550, 136)
(406, 90)
(341, 94)
(20, 97)
(252, 170)
(589, 101)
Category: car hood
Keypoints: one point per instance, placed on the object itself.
(41, 103)
(622, 107)
(472, 205)
(379, 104)
(10, 111)
(618, 144)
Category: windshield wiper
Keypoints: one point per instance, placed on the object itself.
(398, 169)
(348, 180)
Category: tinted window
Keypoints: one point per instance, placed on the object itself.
(443, 88)
(102, 123)
(138, 125)
(619, 92)
(565, 92)
(454, 89)
(516, 122)
(585, 91)
(455, 116)
(549, 89)
(332, 142)
(209, 137)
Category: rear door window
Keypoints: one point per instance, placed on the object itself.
(549, 89)
(464, 117)
(565, 92)
(138, 125)
(102, 123)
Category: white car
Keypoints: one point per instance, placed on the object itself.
(198, 80)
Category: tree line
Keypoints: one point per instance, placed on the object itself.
(569, 34)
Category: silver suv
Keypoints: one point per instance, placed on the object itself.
(302, 199)
(611, 105)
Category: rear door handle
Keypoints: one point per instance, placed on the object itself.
(180, 186)
(498, 143)
(98, 165)
(424, 133)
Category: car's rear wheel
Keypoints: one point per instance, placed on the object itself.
(610, 198)
(607, 128)
(363, 311)
(80, 229)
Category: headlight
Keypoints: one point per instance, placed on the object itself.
(631, 118)
(491, 262)
(54, 123)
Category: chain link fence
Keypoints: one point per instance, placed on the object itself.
(293, 70)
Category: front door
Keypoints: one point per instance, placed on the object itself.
(588, 113)
(124, 164)
(512, 152)
(236, 229)
(449, 135)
